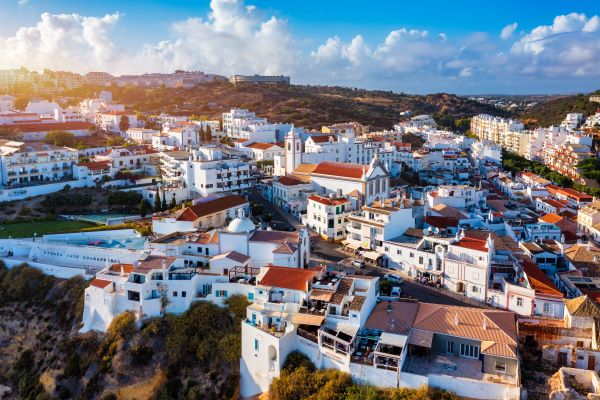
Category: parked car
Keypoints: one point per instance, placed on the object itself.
(395, 291)
(393, 278)
(358, 264)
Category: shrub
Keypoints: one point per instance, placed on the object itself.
(141, 354)
(122, 326)
(297, 359)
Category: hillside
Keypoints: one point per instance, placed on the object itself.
(553, 112)
(307, 106)
(192, 356)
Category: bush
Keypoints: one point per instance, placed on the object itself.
(141, 354)
(297, 359)
(237, 304)
(121, 198)
(122, 326)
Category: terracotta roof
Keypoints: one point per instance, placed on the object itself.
(344, 170)
(209, 207)
(582, 306)
(473, 244)
(322, 138)
(100, 283)
(285, 248)
(499, 326)
(328, 201)
(553, 203)
(51, 126)
(290, 181)
(263, 146)
(118, 112)
(357, 303)
(568, 192)
(539, 281)
(153, 262)
(441, 222)
(551, 218)
(448, 211)
(398, 320)
(274, 236)
(126, 268)
(95, 165)
(287, 278)
(232, 255)
(581, 254)
(305, 168)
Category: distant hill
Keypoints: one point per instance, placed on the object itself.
(553, 112)
(307, 106)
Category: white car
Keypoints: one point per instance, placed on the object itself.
(393, 278)
(358, 264)
(395, 291)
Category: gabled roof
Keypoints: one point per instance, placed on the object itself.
(285, 248)
(448, 211)
(441, 222)
(343, 170)
(232, 255)
(287, 278)
(582, 306)
(263, 146)
(95, 165)
(290, 181)
(393, 317)
(322, 138)
(100, 283)
(274, 236)
(539, 281)
(328, 201)
(209, 207)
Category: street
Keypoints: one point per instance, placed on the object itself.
(324, 252)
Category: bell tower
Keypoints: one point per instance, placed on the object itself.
(293, 151)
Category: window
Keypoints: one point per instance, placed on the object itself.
(468, 350)
(450, 347)
(519, 302)
(546, 307)
(476, 275)
(183, 294)
(174, 294)
(221, 293)
(475, 289)
(500, 366)
(256, 345)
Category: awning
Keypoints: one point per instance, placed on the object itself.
(372, 255)
(307, 319)
(353, 246)
(323, 295)
(392, 339)
(420, 338)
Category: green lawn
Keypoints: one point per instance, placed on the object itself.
(26, 229)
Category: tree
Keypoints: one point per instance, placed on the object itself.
(157, 201)
(163, 206)
(124, 123)
(208, 134)
(201, 134)
(173, 202)
(60, 138)
(143, 208)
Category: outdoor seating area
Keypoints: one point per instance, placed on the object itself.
(336, 339)
(365, 350)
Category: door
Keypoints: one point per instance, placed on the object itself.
(562, 359)
(591, 362)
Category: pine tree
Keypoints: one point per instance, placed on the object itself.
(173, 202)
(164, 202)
(157, 201)
(143, 208)
(208, 135)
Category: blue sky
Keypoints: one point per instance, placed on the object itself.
(402, 46)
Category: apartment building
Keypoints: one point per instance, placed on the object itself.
(379, 221)
(291, 194)
(110, 120)
(565, 157)
(128, 158)
(457, 196)
(238, 120)
(327, 216)
(498, 130)
(588, 220)
(209, 172)
(140, 135)
(7, 103)
(263, 151)
(35, 163)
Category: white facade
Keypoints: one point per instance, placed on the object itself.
(327, 216)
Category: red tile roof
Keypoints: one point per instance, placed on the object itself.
(262, 146)
(344, 170)
(441, 222)
(290, 181)
(100, 283)
(473, 244)
(571, 193)
(288, 278)
(51, 126)
(551, 218)
(117, 112)
(322, 138)
(95, 165)
(539, 281)
(336, 201)
(209, 207)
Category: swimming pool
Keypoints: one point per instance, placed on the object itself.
(102, 219)
(131, 243)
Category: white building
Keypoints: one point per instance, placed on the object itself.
(110, 120)
(140, 135)
(42, 107)
(263, 151)
(35, 163)
(128, 158)
(291, 194)
(457, 196)
(327, 216)
(7, 103)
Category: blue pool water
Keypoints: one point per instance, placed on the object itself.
(131, 243)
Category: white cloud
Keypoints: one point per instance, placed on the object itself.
(507, 32)
(238, 38)
(23, 2)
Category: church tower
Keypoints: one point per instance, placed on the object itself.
(293, 151)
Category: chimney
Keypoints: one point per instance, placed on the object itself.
(456, 319)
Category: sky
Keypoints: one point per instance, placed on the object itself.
(463, 47)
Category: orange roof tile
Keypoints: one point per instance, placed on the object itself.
(100, 283)
(344, 170)
(209, 207)
(287, 180)
(288, 278)
(335, 201)
(539, 281)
